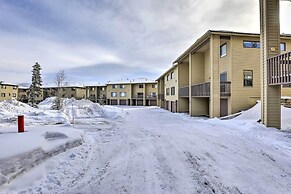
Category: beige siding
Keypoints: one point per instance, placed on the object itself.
(8, 92)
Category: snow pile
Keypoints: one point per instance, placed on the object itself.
(44, 115)
(32, 147)
(254, 114)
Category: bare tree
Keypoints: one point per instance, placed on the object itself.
(60, 82)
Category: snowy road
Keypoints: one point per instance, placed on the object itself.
(150, 150)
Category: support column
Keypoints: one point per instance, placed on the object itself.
(214, 74)
(190, 84)
(270, 46)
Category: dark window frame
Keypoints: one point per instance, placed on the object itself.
(222, 54)
(248, 82)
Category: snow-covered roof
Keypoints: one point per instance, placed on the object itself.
(133, 81)
(7, 84)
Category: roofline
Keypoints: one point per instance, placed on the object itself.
(207, 35)
(170, 69)
(131, 83)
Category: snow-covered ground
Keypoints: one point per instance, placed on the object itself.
(150, 150)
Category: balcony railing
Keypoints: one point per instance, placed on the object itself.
(151, 97)
(184, 91)
(161, 96)
(137, 96)
(279, 69)
(201, 90)
(225, 88)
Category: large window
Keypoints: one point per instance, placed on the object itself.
(122, 94)
(282, 46)
(172, 75)
(251, 44)
(153, 94)
(248, 78)
(223, 50)
(113, 94)
(168, 91)
(172, 90)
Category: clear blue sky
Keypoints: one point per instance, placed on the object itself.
(101, 40)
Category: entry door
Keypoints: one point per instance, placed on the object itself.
(223, 107)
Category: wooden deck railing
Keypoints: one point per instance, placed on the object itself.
(279, 69)
(184, 91)
(225, 88)
(201, 90)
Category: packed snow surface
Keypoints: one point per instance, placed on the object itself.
(150, 150)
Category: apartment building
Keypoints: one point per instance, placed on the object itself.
(8, 91)
(132, 93)
(23, 95)
(96, 93)
(77, 92)
(216, 76)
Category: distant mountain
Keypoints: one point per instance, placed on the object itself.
(24, 84)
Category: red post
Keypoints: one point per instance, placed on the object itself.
(20, 123)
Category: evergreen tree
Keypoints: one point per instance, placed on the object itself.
(36, 83)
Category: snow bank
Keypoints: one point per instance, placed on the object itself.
(44, 115)
(254, 114)
(32, 147)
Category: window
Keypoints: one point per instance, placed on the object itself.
(223, 50)
(286, 86)
(153, 94)
(140, 85)
(113, 94)
(73, 89)
(168, 91)
(114, 86)
(248, 78)
(172, 75)
(140, 95)
(122, 94)
(168, 77)
(2, 94)
(251, 44)
(122, 86)
(3, 87)
(71, 95)
(282, 46)
(14, 87)
(103, 89)
(154, 85)
(223, 77)
(172, 90)
(92, 89)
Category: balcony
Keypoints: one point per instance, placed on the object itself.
(201, 90)
(161, 96)
(137, 96)
(279, 69)
(151, 97)
(184, 91)
(225, 88)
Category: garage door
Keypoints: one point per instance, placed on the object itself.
(113, 102)
(173, 106)
(153, 103)
(122, 102)
(139, 102)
